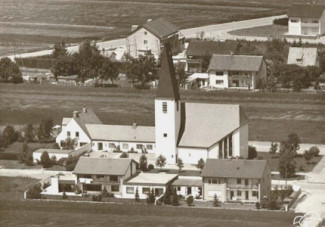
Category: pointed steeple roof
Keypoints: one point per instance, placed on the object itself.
(168, 85)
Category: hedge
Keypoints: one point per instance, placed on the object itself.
(281, 21)
(9, 156)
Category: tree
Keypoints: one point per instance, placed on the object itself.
(180, 73)
(45, 160)
(124, 155)
(200, 164)
(29, 133)
(71, 163)
(9, 71)
(174, 198)
(252, 153)
(258, 205)
(287, 165)
(9, 135)
(190, 200)
(59, 50)
(294, 142)
(64, 65)
(205, 62)
(26, 155)
(64, 196)
(161, 161)
(273, 148)
(308, 156)
(2, 142)
(143, 163)
(216, 201)
(167, 195)
(108, 70)
(314, 150)
(151, 197)
(45, 129)
(180, 164)
(68, 144)
(34, 192)
(136, 196)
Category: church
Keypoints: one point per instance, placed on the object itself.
(186, 130)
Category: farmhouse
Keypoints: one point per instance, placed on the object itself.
(95, 174)
(303, 56)
(306, 20)
(236, 71)
(236, 180)
(189, 131)
(150, 38)
(197, 50)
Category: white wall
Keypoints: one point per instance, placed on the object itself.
(117, 143)
(192, 155)
(37, 156)
(294, 28)
(322, 24)
(141, 195)
(167, 123)
(135, 42)
(240, 142)
(213, 77)
(73, 127)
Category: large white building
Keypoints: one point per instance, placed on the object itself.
(189, 131)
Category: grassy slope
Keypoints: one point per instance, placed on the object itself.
(273, 31)
(272, 116)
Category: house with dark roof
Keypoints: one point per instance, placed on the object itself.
(151, 37)
(95, 174)
(236, 71)
(236, 180)
(306, 20)
(197, 50)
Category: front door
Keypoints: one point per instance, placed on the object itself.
(231, 195)
(246, 195)
(189, 190)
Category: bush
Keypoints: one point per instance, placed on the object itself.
(97, 198)
(151, 197)
(264, 203)
(190, 201)
(71, 163)
(104, 193)
(150, 167)
(124, 155)
(61, 161)
(258, 205)
(45, 160)
(216, 202)
(315, 151)
(136, 196)
(281, 21)
(64, 196)
(252, 153)
(35, 192)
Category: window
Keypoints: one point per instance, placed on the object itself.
(145, 41)
(149, 147)
(230, 145)
(219, 81)
(315, 21)
(115, 188)
(213, 181)
(125, 146)
(238, 181)
(139, 146)
(111, 145)
(238, 193)
(218, 73)
(77, 134)
(146, 191)
(85, 176)
(129, 190)
(100, 146)
(68, 133)
(246, 182)
(225, 148)
(164, 107)
(113, 178)
(99, 177)
(255, 193)
(145, 33)
(220, 149)
(82, 144)
(165, 134)
(293, 21)
(178, 188)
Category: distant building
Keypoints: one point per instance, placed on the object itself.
(196, 51)
(236, 71)
(188, 186)
(236, 180)
(306, 20)
(151, 38)
(95, 174)
(303, 56)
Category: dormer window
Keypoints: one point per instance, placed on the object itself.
(164, 107)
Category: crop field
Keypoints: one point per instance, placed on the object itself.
(272, 115)
(35, 24)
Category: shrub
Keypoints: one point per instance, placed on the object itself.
(252, 153)
(45, 160)
(46, 184)
(53, 160)
(97, 198)
(198, 197)
(190, 201)
(136, 196)
(150, 167)
(167, 195)
(281, 21)
(71, 163)
(143, 162)
(104, 193)
(264, 202)
(258, 205)
(64, 196)
(151, 197)
(216, 201)
(124, 155)
(314, 150)
(61, 161)
(35, 192)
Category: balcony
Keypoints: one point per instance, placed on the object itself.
(86, 180)
(242, 186)
(310, 25)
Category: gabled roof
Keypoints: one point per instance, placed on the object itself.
(86, 116)
(127, 133)
(236, 62)
(201, 48)
(188, 182)
(168, 85)
(302, 56)
(65, 120)
(102, 166)
(205, 123)
(151, 179)
(306, 10)
(233, 168)
(161, 28)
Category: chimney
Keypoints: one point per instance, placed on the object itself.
(75, 114)
(134, 125)
(149, 20)
(84, 110)
(134, 27)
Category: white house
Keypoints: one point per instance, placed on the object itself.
(306, 20)
(189, 186)
(303, 56)
(152, 36)
(236, 71)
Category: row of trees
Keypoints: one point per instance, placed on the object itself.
(9, 71)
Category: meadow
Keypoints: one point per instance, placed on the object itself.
(272, 115)
(33, 24)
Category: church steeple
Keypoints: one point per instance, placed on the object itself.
(168, 85)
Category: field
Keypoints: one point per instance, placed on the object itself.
(36, 24)
(272, 115)
(15, 212)
(272, 31)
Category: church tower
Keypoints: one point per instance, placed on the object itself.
(167, 109)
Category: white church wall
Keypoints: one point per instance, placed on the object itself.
(192, 155)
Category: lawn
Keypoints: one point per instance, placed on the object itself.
(15, 212)
(271, 31)
(17, 146)
(272, 115)
(301, 164)
(34, 24)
